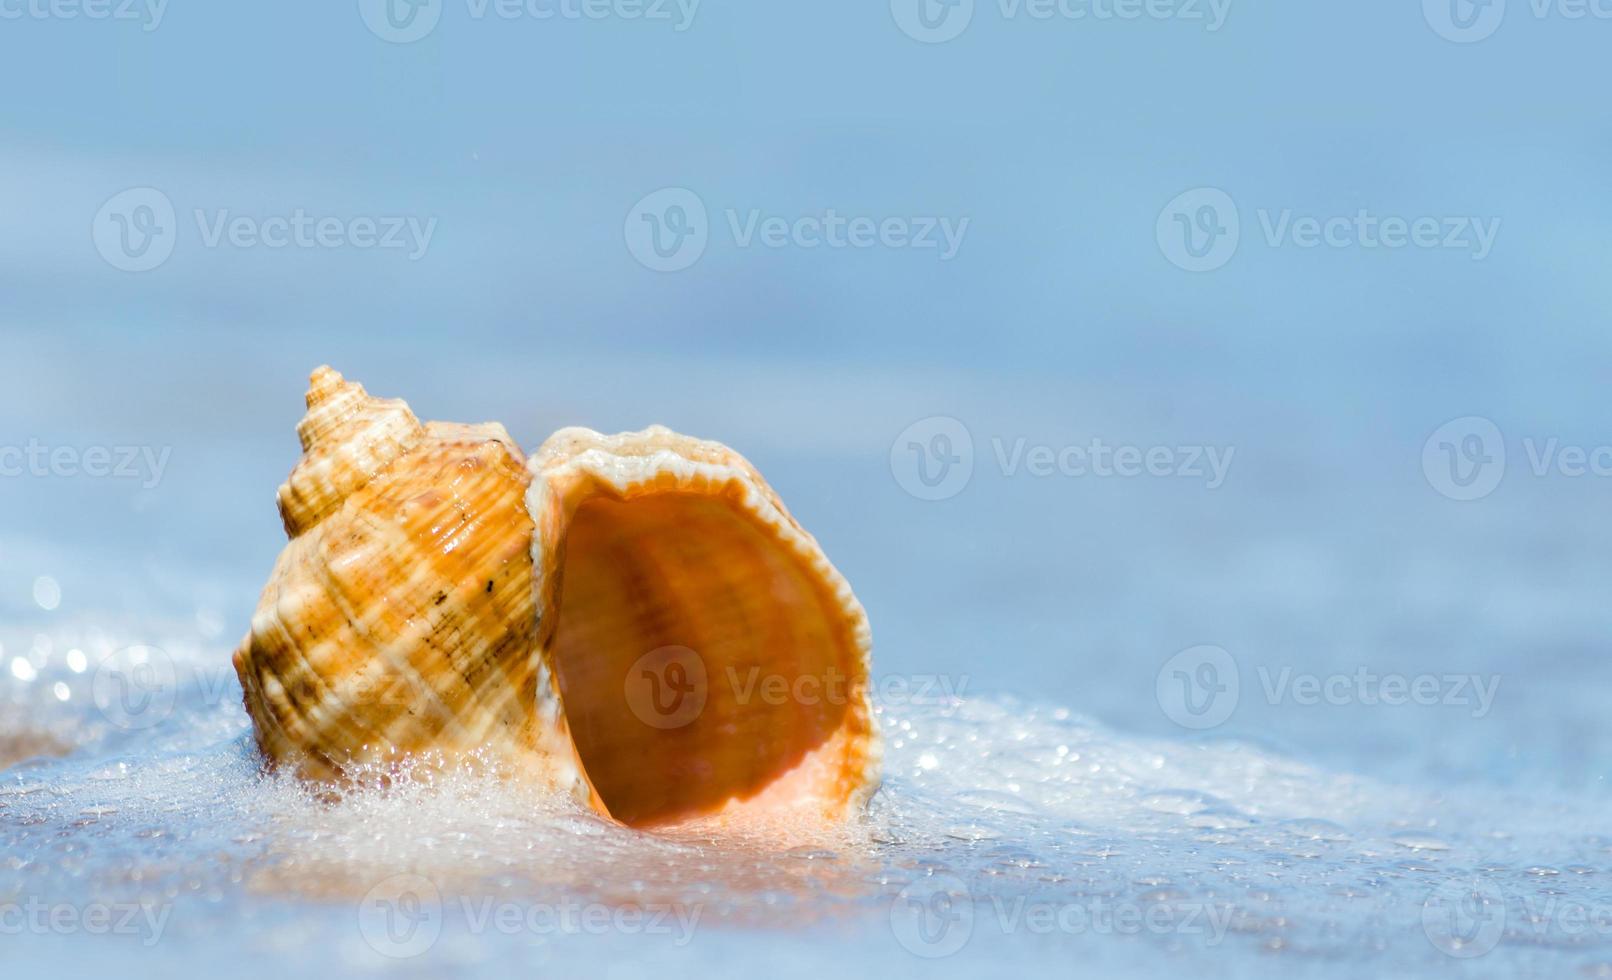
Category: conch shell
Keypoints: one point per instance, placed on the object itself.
(634, 618)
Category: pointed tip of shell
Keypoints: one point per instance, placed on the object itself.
(348, 436)
(324, 382)
(334, 404)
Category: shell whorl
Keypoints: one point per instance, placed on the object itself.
(399, 615)
(348, 438)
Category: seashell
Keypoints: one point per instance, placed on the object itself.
(636, 618)
(399, 618)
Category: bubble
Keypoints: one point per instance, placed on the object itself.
(1182, 801)
(1420, 841)
(47, 593)
(1311, 828)
(1220, 818)
(996, 802)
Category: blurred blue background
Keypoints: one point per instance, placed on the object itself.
(527, 144)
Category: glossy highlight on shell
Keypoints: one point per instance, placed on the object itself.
(635, 618)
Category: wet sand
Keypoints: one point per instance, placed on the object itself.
(15, 748)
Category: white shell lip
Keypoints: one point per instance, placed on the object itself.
(561, 462)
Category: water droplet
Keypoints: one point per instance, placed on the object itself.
(1220, 818)
(1420, 841)
(805, 853)
(1182, 801)
(970, 831)
(1313, 828)
(998, 802)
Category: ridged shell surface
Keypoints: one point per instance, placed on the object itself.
(400, 616)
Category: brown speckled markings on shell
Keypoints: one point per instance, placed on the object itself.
(399, 617)
(418, 607)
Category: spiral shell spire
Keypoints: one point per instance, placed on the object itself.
(399, 616)
(348, 437)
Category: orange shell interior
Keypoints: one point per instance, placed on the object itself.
(704, 669)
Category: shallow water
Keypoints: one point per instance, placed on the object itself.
(1007, 835)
